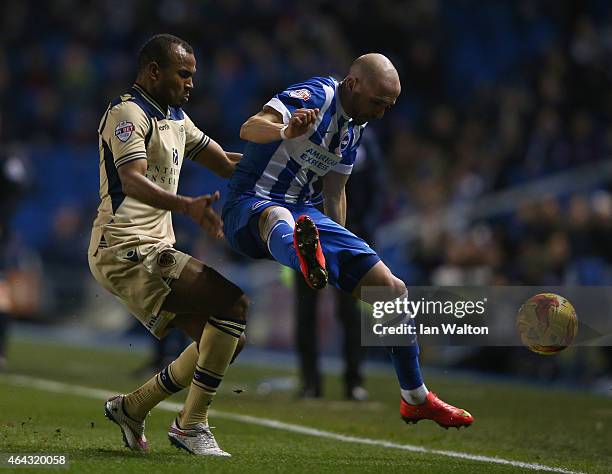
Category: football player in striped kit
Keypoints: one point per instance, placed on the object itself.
(307, 133)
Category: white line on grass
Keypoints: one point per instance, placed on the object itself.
(59, 387)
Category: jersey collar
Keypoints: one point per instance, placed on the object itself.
(146, 96)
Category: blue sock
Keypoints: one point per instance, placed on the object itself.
(406, 363)
(280, 244)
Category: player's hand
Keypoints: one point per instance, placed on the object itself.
(200, 210)
(300, 122)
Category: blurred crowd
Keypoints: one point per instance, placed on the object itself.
(495, 95)
(555, 242)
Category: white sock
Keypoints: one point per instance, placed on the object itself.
(416, 396)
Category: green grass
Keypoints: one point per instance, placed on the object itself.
(568, 430)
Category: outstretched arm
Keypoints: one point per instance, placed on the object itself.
(219, 161)
(135, 184)
(335, 196)
(266, 126)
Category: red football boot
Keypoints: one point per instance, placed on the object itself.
(309, 252)
(435, 409)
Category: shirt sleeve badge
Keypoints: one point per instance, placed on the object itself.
(123, 131)
(303, 94)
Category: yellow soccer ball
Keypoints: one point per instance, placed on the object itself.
(547, 323)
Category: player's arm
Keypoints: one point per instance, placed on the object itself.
(217, 160)
(233, 156)
(335, 196)
(135, 184)
(266, 126)
(202, 149)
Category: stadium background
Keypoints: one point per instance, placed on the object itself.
(496, 98)
(497, 153)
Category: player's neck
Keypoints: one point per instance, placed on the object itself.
(344, 98)
(149, 90)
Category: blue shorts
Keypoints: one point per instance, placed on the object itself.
(348, 258)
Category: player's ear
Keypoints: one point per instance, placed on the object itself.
(353, 84)
(153, 69)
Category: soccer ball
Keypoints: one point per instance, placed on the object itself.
(547, 323)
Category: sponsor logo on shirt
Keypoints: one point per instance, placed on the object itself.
(160, 174)
(123, 131)
(316, 158)
(303, 94)
(164, 127)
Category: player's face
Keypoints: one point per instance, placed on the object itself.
(175, 81)
(370, 102)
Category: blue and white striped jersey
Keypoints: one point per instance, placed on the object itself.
(285, 171)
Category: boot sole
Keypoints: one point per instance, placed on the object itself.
(307, 241)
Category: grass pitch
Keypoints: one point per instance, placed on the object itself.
(572, 431)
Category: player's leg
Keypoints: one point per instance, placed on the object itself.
(171, 379)
(114, 274)
(405, 359)
(202, 288)
(260, 228)
(417, 402)
(294, 244)
(142, 284)
(178, 374)
(352, 266)
(175, 376)
(275, 225)
(129, 411)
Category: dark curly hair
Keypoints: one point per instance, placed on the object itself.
(157, 49)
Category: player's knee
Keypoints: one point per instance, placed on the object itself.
(399, 287)
(394, 285)
(239, 309)
(270, 216)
